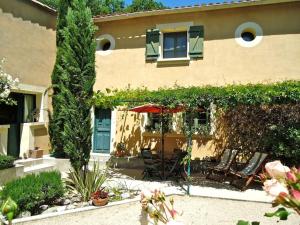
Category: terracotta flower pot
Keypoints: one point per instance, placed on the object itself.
(37, 153)
(100, 201)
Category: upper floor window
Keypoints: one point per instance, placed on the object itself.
(175, 45)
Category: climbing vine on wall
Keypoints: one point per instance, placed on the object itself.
(192, 97)
(245, 115)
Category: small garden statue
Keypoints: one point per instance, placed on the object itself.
(9, 209)
(157, 210)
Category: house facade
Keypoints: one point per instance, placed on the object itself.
(27, 42)
(214, 44)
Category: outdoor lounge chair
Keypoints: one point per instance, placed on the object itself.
(243, 178)
(152, 165)
(227, 158)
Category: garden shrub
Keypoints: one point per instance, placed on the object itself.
(284, 142)
(32, 191)
(265, 128)
(6, 161)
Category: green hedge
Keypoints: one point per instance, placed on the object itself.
(32, 191)
(6, 161)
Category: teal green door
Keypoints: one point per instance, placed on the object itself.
(102, 130)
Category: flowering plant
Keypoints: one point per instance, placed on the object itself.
(283, 184)
(6, 84)
(100, 194)
(158, 210)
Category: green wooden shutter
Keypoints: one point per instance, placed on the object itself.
(196, 41)
(152, 44)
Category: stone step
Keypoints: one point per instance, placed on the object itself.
(100, 158)
(39, 168)
(29, 162)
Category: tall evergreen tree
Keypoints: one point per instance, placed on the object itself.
(144, 5)
(78, 78)
(56, 119)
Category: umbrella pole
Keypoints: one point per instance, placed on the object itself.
(162, 145)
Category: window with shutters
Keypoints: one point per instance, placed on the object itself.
(175, 45)
(174, 42)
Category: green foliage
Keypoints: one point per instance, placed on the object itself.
(6, 161)
(9, 209)
(144, 5)
(32, 191)
(282, 213)
(56, 119)
(76, 85)
(283, 141)
(193, 97)
(86, 183)
(243, 222)
(100, 7)
(243, 112)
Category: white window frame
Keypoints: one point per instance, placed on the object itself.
(171, 28)
(253, 28)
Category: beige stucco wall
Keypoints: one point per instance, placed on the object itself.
(30, 11)
(129, 130)
(29, 50)
(277, 57)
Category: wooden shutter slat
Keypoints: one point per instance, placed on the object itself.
(196, 41)
(152, 44)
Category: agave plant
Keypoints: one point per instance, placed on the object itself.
(86, 182)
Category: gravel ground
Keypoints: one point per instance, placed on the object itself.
(196, 211)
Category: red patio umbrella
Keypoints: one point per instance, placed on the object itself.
(158, 109)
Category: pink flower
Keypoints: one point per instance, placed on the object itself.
(276, 170)
(173, 213)
(146, 194)
(291, 177)
(274, 188)
(296, 194)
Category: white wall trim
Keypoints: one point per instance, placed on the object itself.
(253, 28)
(173, 27)
(92, 111)
(100, 40)
(113, 129)
(4, 138)
(41, 100)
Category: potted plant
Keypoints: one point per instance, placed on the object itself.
(121, 150)
(36, 153)
(100, 197)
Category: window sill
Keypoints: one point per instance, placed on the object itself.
(173, 61)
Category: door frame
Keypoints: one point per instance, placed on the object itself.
(113, 127)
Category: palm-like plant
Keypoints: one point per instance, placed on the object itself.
(86, 183)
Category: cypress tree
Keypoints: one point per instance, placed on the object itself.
(56, 119)
(78, 78)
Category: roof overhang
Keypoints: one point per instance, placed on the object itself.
(189, 9)
(42, 6)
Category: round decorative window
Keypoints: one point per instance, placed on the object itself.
(248, 34)
(105, 44)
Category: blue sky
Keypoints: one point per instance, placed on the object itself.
(172, 3)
